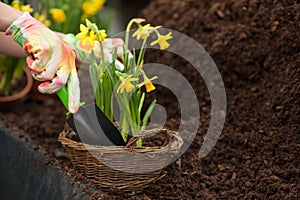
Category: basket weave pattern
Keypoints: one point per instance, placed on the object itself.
(118, 167)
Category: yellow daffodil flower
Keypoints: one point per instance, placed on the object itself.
(16, 5)
(58, 15)
(148, 83)
(89, 36)
(24, 8)
(144, 31)
(126, 84)
(162, 41)
(149, 86)
(42, 19)
(99, 4)
(93, 27)
(86, 35)
(91, 7)
(137, 20)
(102, 34)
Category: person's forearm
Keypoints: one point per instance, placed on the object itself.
(7, 44)
(8, 16)
(9, 47)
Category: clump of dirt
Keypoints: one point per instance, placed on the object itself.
(256, 46)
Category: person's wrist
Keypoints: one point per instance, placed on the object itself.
(8, 21)
(11, 16)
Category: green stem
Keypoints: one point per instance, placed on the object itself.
(102, 60)
(127, 34)
(127, 42)
(142, 52)
(100, 94)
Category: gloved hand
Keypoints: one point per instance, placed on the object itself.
(109, 46)
(50, 58)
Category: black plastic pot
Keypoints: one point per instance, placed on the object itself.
(25, 176)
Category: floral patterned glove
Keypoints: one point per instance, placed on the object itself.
(83, 51)
(49, 58)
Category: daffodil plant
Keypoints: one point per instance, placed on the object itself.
(66, 16)
(112, 83)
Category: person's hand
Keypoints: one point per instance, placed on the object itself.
(50, 58)
(109, 46)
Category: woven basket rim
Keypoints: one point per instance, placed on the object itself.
(176, 138)
(119, 174)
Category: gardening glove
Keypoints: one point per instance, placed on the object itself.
(109, 46)
(49, 58)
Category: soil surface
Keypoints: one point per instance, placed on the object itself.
(256, 46)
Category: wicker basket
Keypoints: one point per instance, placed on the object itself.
(125, 168)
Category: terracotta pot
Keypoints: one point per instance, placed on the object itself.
(35, 95)
(6, 102)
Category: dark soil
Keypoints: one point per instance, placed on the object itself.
(256, 46)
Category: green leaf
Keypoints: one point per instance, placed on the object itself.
(94, 75)
(12, 68)
(141, 102)
(147, 114)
